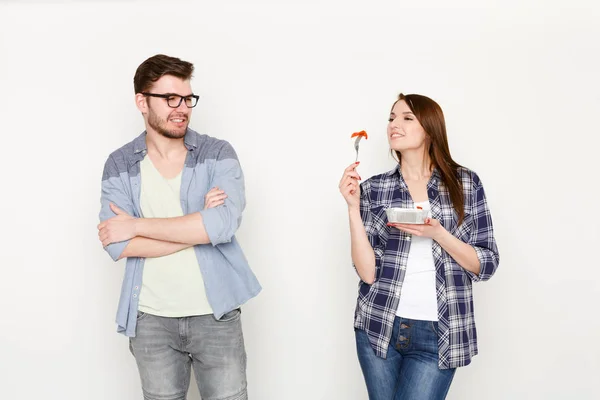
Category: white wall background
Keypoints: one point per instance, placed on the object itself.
(287, 84)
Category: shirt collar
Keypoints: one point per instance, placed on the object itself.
(190, 141)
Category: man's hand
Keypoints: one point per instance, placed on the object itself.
(215, 197)
(118, 228)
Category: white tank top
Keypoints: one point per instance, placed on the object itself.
(418, 298)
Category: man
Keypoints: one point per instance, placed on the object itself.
(186, 275)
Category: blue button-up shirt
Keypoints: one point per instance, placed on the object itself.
(377, 303)
(229, 281)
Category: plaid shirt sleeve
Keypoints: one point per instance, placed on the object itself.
(374, 224)
(482, 235)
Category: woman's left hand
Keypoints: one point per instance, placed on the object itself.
(431, 228)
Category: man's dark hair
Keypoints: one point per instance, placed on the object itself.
(158, 66)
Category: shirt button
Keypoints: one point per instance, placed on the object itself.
(407, 238)
(135, 295)
(397, 292)
(137, 287)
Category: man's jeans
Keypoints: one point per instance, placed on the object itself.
(410, 371)
(165, 349)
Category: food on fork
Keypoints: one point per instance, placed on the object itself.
(360, 134)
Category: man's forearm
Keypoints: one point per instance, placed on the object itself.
(150, 248)
(188, 229)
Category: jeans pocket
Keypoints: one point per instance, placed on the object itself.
(433, 326)
(232, 315)
(141, 315)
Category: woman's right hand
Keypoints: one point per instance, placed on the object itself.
(349, 187)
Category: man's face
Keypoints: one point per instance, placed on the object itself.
(165, 120)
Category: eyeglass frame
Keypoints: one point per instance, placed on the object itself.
(167, 95)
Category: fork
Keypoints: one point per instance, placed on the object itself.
(356, 146)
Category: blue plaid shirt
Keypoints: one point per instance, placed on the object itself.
(377, 303)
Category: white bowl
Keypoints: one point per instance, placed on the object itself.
(406, 215)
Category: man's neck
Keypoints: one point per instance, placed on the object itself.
(162, 146)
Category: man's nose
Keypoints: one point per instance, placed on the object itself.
(182, 106)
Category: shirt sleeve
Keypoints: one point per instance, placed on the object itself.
(374, 225)
(482, 235)
(113, 191)
(222, 222)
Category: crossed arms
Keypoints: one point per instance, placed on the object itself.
(123, 235)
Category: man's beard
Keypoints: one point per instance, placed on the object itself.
(160, 126)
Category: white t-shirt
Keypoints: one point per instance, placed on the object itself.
(172, 285)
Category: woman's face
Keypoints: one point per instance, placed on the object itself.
(404, 130)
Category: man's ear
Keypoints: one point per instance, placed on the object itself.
(141, 102)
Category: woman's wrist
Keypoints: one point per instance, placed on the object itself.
(442, 236)
(353, 210)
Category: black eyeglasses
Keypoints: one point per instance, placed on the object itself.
(174, 100)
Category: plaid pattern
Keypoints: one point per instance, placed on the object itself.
(377, 303)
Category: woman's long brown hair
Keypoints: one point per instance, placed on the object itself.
(430, 116)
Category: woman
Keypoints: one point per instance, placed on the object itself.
(414, 315)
